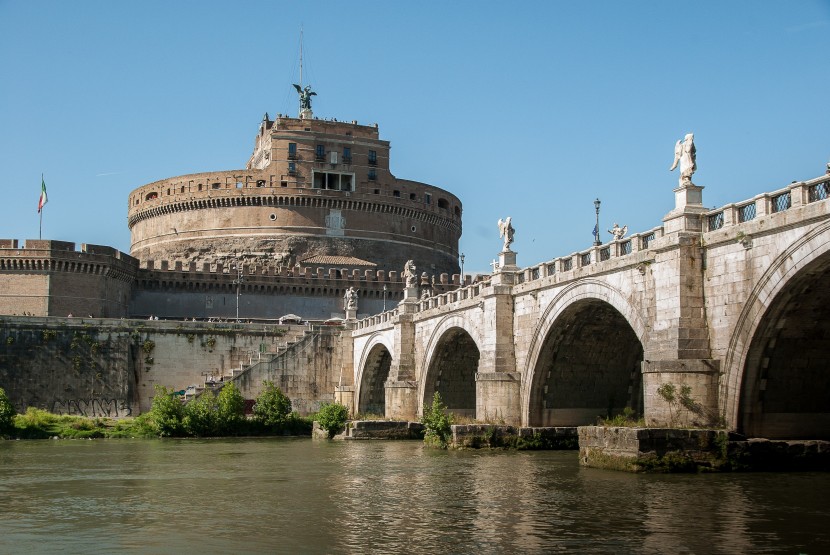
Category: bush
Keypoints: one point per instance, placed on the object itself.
(332, 418)
(437, 424)
(230, 410)
(273, 407)
(167, 413)
(7, 414)
(201, 415)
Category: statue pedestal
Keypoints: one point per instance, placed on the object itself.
(505, 274)
(306, 114)
(351, 314)
(688, 206)
(507, 261)
(410, 294)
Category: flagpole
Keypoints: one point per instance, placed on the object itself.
(40, 213)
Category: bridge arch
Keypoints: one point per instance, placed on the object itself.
(777, 365)
(373, 371)
(450, 366)
(584, 358)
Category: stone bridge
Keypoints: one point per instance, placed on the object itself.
(717, 317)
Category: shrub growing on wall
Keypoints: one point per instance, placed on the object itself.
(332, 418)
(437, 424)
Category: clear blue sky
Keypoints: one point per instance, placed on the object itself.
(529, 109)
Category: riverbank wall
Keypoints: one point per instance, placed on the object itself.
(109, 367)
(695, 450)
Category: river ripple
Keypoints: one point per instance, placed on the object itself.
(304, 496)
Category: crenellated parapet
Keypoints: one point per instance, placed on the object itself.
(36, 256)
(52, 278)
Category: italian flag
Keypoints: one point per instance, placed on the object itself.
(43, 199)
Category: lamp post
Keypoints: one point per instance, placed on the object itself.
(596, 227)
(384, 297)
(462, 269)
(238, 282)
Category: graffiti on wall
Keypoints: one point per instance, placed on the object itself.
(92, 407)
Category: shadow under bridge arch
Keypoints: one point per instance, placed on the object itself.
(371, 390)
(452, 371)
(784, 394)
(587, 366)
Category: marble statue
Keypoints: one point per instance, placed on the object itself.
(506, 232)
(409, 274)
(618, 232)
(350, 299)
(684, 154)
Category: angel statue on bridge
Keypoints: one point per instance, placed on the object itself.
(684, 153)
(506, 232)
(618, 232)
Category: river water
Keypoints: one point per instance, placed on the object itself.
(305, 496)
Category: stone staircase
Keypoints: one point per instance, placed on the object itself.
(294, 339)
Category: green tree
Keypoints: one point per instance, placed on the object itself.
(273, 407)
(166, 413)
(7, 414)
(201, 415)
(437, 423)
(230, 409)
(332, 417)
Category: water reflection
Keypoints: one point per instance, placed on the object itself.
(300, 496)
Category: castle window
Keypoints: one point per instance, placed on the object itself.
(442, 203)
(333, 181)
(292, 151)
(168, 192)
(396, 194)
(260, 183)
(182, 190)
(292, 168)
(239, 185)
(215, 185)
(320, 153)
(151, 196)
(373, 175)
(283, 183)
(373, 158)
(411, 196)
(457, 211)
(427, 198)
(376, 191)
(347, 155)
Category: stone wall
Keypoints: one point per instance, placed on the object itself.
(101, 367)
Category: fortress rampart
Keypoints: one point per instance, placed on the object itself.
(51, 278)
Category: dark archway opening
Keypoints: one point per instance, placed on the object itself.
(452, 373)
(787, 372)
(372, 389)
(589, 367)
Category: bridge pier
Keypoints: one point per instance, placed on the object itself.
(681, 392)
(498, 397)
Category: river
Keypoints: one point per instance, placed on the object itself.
(305, 496)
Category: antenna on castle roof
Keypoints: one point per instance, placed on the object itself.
(305, 92)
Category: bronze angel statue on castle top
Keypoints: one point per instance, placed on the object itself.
(305, 96)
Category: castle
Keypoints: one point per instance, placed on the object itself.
(315, 212)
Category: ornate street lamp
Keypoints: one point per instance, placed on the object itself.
(597, 242)
(238, 282)
(384, 297)
(462, 269)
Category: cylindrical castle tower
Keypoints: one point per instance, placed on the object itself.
(315, 193)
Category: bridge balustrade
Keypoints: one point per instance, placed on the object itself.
(797, 194)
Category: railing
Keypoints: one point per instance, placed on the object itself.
(795, 195)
